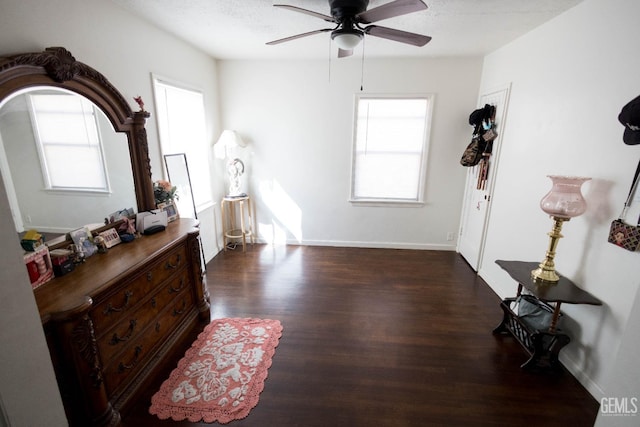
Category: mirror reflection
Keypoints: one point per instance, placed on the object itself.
(62, 162)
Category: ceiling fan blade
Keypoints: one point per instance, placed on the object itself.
(343, 53)
(298, 36)
(390, 10)
(307, 12)
(397, 35)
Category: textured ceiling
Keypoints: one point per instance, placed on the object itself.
(239, 29)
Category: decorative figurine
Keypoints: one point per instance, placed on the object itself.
(127, 230)
(77, 253)
(102, 245)
(138, 99)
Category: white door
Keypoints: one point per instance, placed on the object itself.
(477, 199)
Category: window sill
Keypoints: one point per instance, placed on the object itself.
(78, 191)
(387, 203)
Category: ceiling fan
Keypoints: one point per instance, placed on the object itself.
(350, 16)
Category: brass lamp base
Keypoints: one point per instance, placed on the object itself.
(546, 271)
(543, 274)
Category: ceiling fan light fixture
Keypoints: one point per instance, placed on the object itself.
(347, 39)
(352, 19)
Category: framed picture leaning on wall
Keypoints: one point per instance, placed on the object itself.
(171, 209)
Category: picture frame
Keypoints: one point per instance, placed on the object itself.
(111, 237)
(118, 215)
(83, 240)
(171, 209)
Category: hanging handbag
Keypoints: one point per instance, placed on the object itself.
(622, 234)
(483, 135)
(473, 153)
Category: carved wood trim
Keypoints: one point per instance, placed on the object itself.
(58, 62)
(83, 338)
(82, 374)
(139, 153)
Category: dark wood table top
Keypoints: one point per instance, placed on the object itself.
(75, 290)
(563, 291)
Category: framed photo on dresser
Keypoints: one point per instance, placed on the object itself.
(171, 209)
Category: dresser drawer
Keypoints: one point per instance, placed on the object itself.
(117, 305)
(126, 364)
(131, 323)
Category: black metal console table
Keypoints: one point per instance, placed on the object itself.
(543, 346)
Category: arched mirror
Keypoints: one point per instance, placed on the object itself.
(50, 195)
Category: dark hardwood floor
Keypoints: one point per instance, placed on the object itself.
(382, 337)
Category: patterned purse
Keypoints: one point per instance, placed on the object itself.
(622, 234)
(473, 153)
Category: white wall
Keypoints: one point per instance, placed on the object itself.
(570, 78)
(126, 50)
(298, 119)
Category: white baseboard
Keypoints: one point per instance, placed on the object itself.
(359, 244)
(380, 245)
(592, 387)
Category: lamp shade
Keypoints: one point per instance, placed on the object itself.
(564, 200)
(347, 39)
(230, 138)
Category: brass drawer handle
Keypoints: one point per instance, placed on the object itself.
(122, 367)
(127, 299)
(173, 290)
(177, 312)
(116, 339)
(169, 266)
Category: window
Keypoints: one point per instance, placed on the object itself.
(390, 146)
(181, 122)
(69, 144)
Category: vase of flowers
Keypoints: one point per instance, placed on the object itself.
(164, 192)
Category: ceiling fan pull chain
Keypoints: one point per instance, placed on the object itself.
(329, 60)
(362, 68)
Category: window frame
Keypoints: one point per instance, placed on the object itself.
(385, 201)
(40, 146)
(166, 147)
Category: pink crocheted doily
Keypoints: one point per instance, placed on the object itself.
(221, 376)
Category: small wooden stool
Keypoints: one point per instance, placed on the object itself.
(230, 228)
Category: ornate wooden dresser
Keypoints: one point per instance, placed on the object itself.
(110, 323)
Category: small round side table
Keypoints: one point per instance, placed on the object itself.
(230, 228)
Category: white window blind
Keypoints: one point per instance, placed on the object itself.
(182, 126)
(390, 146)
(69, 144)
